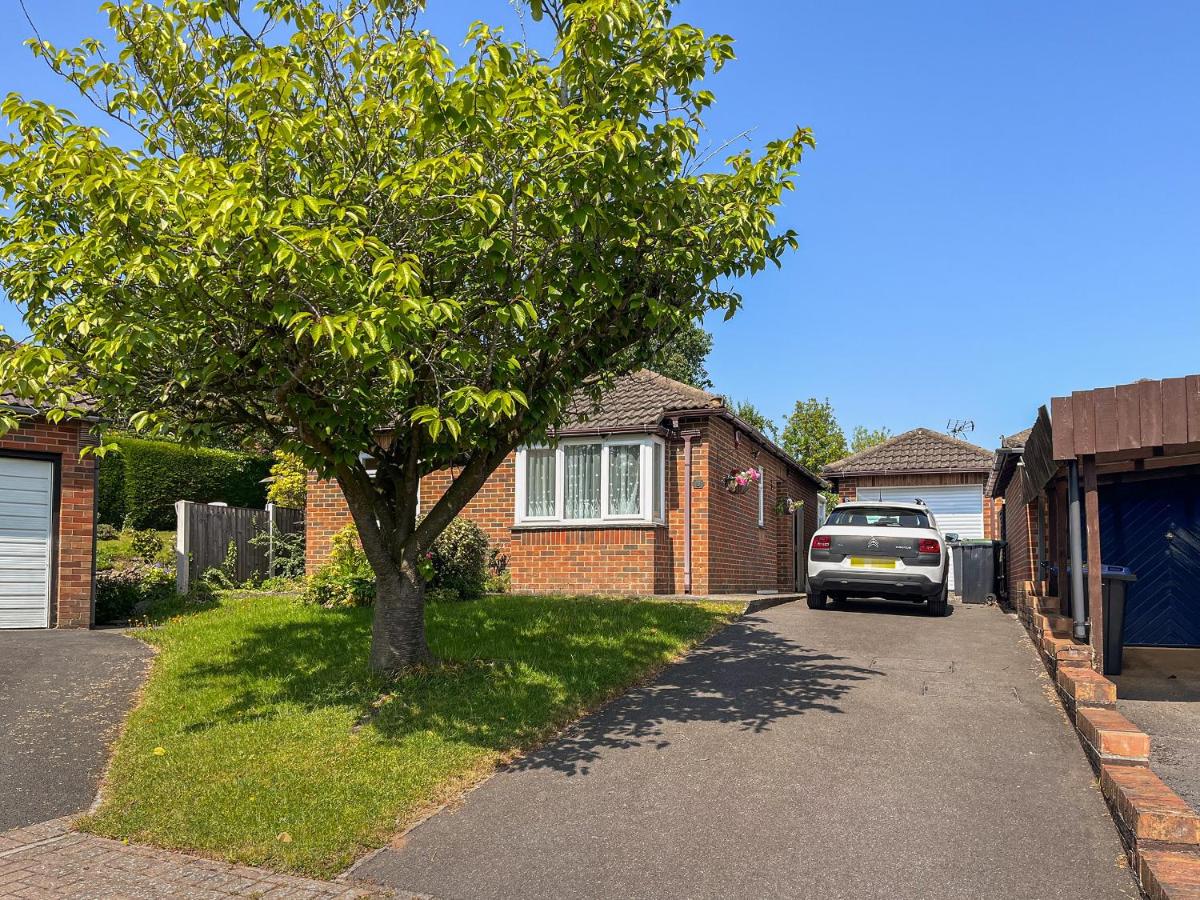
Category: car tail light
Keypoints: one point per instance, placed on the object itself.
(928, 545)
(822, 542)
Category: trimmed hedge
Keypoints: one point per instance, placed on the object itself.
(140, 482)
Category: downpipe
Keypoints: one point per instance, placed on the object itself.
(1081, 629)
(687, 513)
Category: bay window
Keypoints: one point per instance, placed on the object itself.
(591, 481)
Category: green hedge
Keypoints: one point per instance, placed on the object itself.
(141, 480)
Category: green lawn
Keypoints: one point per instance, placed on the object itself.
(260, 737)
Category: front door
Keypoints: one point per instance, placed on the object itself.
(1153, 527)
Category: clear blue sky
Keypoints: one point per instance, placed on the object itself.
(1004, 202)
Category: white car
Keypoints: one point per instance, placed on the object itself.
(892, 550)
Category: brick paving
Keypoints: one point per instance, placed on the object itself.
(50, 860)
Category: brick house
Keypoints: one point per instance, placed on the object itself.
(948, 474)
(47, 522)
(630, 497)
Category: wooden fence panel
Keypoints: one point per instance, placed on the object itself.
(204, 534)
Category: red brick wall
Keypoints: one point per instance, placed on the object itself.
(739, 555)
(325, 514)
(1020, 530)
(71, 599)
(847, 488)
(584, 560)
(729, 551)
(493, 508)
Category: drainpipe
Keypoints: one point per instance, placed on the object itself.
(687, 513)
(1074, 518)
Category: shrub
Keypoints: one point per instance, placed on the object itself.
(146, 545)
(119, 591)
(289, 481)
(141, 480)
(346, 579)
(106, 532)
(460, 559)
(457, 568)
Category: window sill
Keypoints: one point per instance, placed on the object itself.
(579, 526)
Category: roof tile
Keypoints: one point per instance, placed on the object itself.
(919, 450)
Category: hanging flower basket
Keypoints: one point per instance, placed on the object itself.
(739, 481)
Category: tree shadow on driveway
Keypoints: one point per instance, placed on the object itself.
(746, 677)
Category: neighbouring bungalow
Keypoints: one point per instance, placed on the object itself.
(1130, 457)
(636, 494)
(945, 473)
(47, 521)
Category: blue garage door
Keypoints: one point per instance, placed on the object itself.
(1153, 526)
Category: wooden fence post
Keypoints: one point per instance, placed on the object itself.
(183, 542)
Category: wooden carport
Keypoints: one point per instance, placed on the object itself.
(1137, 430)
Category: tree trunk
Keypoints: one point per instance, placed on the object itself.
(398, 629)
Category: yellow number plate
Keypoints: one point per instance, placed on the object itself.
(864, 562)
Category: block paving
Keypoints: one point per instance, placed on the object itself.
(49, 860)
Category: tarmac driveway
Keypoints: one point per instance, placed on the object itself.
(63, 695)
(869, 752)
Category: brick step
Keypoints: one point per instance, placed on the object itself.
(1084, 686)
(1065, 651)
(1058, 626)
(1169, 874)
(1051, 606)
(1146, 809)
(1112, 738)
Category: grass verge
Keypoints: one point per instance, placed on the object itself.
(262, 739)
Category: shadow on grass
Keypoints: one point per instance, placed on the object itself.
(513, 668)
(747, 677)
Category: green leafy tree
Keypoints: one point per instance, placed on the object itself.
(865, 438)
(683, 357)
(333, 236)
(750, 414)
(812, 435)
(289, 480)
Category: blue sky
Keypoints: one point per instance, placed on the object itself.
(1004, 202)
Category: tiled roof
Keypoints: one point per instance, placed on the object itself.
(919, 450)
(1016, 441)
(9, 399)
(641, 400)
(638, 400)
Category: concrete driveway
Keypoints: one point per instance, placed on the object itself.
(63, 695)
(869, 752)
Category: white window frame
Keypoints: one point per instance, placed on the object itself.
(650, 480)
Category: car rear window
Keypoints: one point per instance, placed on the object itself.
(878, 517)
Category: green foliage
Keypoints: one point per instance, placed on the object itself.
(118, 552)
(265, 698)
(289, 480)
(147, 545)
(346, 579)
(865, 438)
(330, 230)
(145, 478)
(750, 414)
(288, 552)
(460, 560)
(118, 591)
(106, 532)
(224, 576)
(110, 490)
(683, 357)
(812, 434)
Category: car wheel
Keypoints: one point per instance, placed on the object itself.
(940, 605)
(837, 599)
(816, 600)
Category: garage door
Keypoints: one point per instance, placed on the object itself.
(957, 508)
(26, 499)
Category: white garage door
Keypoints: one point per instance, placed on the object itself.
(957, 508)
(26, 498)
